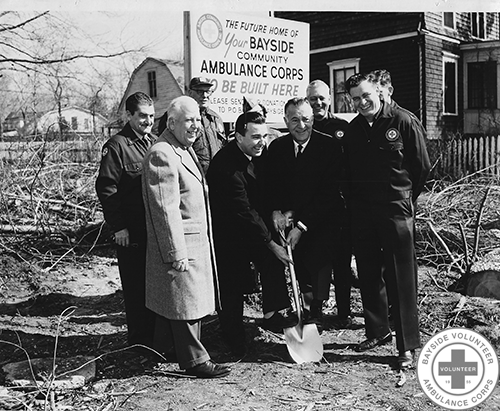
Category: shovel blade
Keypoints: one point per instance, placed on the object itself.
(304, 343)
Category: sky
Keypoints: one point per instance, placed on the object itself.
(158, 24)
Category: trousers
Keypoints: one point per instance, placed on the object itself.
(385, 256)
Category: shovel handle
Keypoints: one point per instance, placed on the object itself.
(293, 279)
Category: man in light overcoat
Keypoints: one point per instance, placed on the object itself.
(181, 278)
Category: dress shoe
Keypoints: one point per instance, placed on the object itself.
(342, 322)
(373, 342)
(236, 346)
(208, 369)
(278, 321)
(405, 359)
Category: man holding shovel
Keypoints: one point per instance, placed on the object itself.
(303, 198)
(240, 233)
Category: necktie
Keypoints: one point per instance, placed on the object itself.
(299, 151)
(251, 169)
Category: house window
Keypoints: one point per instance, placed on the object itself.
(482, 85)
(74, 123)
(63, 123)
(152, 84)
(449, 20)
(450, 96)
(477, 25)
(340, 71)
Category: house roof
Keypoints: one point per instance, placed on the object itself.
(176, 68)
(75, 108)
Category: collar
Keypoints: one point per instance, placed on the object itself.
(385, 111)
(304, 145)
(133, 136)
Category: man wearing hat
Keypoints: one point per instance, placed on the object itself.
(212, 136)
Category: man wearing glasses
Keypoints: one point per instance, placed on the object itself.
(212, 136)
(304, 198)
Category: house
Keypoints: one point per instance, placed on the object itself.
(481, 85)
(444, 66)
(73, 119)
(162, 80)
(18, 123)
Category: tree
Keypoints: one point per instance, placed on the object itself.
(27, 42)
(47, 62)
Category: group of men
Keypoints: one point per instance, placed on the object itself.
(194, 214)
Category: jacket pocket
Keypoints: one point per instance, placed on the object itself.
(133, 168)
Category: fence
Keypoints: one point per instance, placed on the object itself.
(466, 155)
(76, 151)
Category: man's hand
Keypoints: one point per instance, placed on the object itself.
(282, 220)
(181, 265)
(293, 237)
(280, 252)
(122, 238)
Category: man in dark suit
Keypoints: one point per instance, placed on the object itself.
(303, 187)
(240, 234)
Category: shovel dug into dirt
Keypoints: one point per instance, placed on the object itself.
(303, 341)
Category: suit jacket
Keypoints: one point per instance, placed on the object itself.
(178, 226)
(235, 198)
(309, 186)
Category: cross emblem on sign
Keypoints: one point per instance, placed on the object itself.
(210, 31)
(457, 369)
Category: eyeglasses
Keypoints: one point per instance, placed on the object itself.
(203, 92)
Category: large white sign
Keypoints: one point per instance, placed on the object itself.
(265, 59)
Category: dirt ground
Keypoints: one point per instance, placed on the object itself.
(32, 301)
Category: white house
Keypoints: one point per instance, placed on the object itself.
(77, 119)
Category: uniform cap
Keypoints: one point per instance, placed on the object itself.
(199, 82)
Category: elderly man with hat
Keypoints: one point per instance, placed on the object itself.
(212, 135)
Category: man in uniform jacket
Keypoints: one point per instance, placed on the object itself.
(388, 167)
(118, 187)
(240, 232)
(318, 95)
(181, 277)
(303, 187)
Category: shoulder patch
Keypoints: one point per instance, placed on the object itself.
(339, 134)
(104, 151)
(392, 134)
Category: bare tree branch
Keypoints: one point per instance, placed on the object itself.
(38, 61)
(11, 28)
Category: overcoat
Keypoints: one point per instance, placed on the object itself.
(178, 226)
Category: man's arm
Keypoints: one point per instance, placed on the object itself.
(418, 157)
(108, 180)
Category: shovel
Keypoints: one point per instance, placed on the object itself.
(303, 340)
